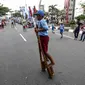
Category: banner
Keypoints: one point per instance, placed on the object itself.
(34, 10)
(30, 12)
(22, 10)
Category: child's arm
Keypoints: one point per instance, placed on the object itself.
(44, 27)
(36, 28)
(39, 30)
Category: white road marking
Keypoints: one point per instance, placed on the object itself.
(68, 37)
(23, 37)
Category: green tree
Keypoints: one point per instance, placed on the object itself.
(3, 10)
(81, 17)
(54, 11)
(62, 14)
(52, 8)
(17, 14)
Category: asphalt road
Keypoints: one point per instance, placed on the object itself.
(20, 64)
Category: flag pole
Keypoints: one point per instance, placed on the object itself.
(40, 4)
(25, 3)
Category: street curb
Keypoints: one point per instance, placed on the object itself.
(70, 30)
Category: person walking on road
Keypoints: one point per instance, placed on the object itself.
(42, 30)
(61, 28)
(83, 33)
(53, 28)
(12, 23)
(47, 20)
(77, 30)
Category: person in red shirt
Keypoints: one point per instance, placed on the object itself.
(2, 23)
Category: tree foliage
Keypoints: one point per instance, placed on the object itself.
(62, 14)
(53, 10)
(81, 17)
(3, 10)
(17, 14)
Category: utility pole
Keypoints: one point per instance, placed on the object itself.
(25, 4)
(41, 7)
(40, 4)
(74, 1)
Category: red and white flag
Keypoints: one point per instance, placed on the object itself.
(66, 6)
(30, 12)
(34, 10)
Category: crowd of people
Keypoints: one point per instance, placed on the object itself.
(80, 27)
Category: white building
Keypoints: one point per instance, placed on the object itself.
(70, 12)
(69, 9)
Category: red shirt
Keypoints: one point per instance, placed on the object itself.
(83, 27)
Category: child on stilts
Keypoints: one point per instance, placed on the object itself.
(42, 30)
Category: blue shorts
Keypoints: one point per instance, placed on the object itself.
(61, 30)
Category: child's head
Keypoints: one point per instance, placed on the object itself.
(40, 14)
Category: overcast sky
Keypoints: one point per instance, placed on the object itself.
(15, 4)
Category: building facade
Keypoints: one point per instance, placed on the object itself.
(69, 10)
